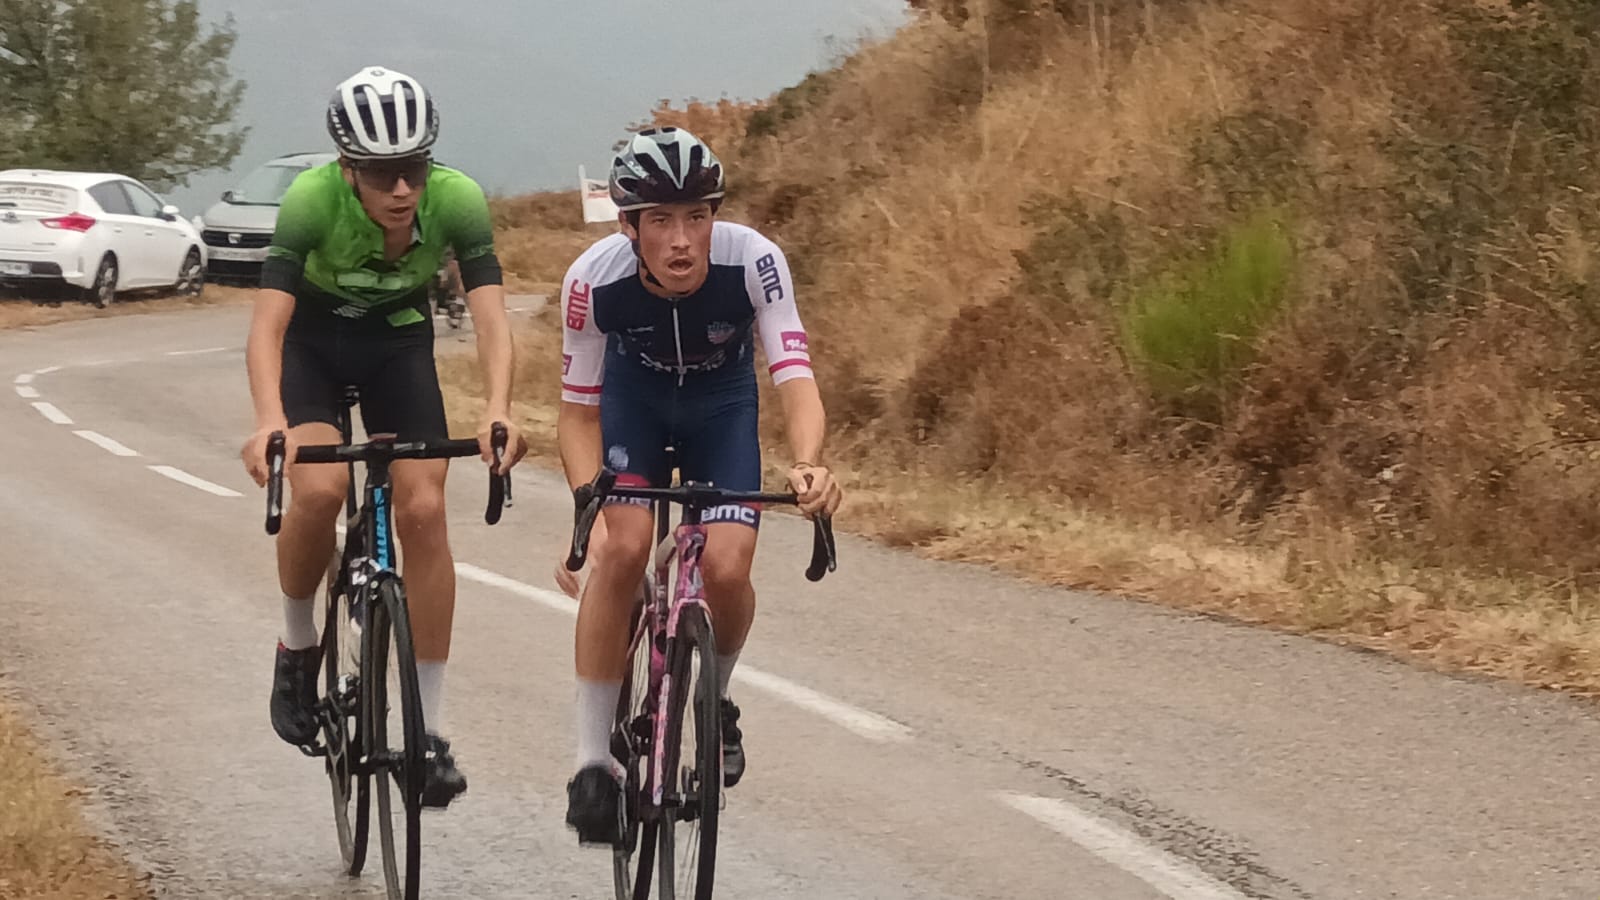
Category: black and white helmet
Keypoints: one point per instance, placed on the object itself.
(379, 113)
(665, 165)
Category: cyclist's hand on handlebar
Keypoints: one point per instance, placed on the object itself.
(516, 445)
(254, 451)
(816, 488)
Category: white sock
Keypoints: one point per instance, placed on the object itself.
(430, 686)
(725, 671)
(597, 707)
(299, 622)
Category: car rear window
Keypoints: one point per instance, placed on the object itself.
(50, 198)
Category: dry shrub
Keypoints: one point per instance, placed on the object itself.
(537, 237)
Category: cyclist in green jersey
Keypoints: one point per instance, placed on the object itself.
(343, 301)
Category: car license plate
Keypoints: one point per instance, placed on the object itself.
(239, 255)
(15, 268)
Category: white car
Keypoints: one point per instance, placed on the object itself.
(238, 230)
(98, 234)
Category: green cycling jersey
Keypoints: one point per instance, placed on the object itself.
(328, 251)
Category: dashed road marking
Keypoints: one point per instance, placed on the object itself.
(105, 443)
(49, 411)
(196, 482)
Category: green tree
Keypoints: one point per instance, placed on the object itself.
(139, 87)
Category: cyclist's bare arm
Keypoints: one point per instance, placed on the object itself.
(578, 436)
(264, 361)
(804, 417)
(496, 353)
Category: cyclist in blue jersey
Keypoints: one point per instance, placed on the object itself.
(661, 321)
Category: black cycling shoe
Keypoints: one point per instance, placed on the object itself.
(732, 745)
(294, 694)
(593, 806)
(442, 781)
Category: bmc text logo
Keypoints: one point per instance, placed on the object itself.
(771, 281)
(578, 305)
(731, 512)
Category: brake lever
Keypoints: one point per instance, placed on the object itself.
(499, 484)
(824, 553)
(276, 451)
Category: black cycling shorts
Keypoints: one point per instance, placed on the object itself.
(392, 367)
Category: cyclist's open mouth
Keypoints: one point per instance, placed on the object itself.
(680, 266)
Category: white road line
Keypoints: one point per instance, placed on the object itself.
(195, 352)
(26, 392)
(1173, 876)
(183, 477)
(865, 724)
(46, 370)
(24, 378)
(553, 599)
(98, 362)
(49, 411)
(105, 443)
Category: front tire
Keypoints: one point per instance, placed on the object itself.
(390, 663)
(693, 763)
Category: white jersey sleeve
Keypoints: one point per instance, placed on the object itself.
(771, 290)
(583, 345)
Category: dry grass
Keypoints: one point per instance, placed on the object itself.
(46, 851)
(27, 313)
(1407, 461)
(538, 236)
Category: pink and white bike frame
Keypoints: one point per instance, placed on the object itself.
(660, 619)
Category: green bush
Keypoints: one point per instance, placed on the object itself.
(1190, 331)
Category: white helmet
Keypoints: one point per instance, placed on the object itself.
(379, 113)
(665, 165)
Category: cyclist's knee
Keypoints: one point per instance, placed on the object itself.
(628, 551)
(318, 495)
(420, 509)
(419, 497)
(730, 549)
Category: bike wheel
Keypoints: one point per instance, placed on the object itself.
(340, 726)
(389, 667)
(693, 762)
(630, 744)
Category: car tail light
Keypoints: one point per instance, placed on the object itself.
(72, 222)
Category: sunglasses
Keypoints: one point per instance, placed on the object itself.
(382, 175)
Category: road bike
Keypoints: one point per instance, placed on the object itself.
(367, 618)
(671, 778)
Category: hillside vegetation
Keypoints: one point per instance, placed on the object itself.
(1282, 309)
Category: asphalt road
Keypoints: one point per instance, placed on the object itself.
(914, 729)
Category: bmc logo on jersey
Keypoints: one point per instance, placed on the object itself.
(795, 342)
(732, 512)
(771, 281)
(577, 305)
